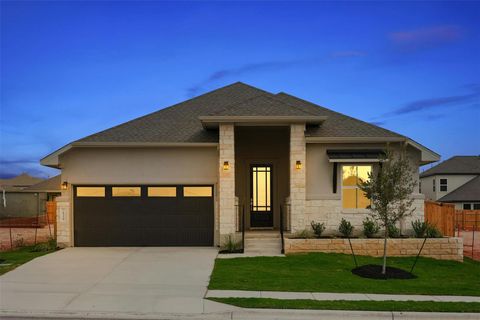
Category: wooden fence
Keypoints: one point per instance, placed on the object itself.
(442, 215)
(467, 220)
(51, 207)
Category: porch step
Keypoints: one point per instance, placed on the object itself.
(263, 243)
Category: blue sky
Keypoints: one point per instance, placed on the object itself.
(69, 69)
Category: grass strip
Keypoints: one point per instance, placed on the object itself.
(367, 305)
(16, 258)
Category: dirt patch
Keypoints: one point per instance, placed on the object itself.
(374, 271)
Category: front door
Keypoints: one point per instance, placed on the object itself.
(261, 196)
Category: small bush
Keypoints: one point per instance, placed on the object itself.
(432, 231)
(18, 243)
(50, 245)
(419, 228)
(345, 228)
(231, 244)
(303, 234)
(370, 227)
(393, 231)
(318, 228)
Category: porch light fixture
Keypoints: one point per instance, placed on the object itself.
(226, 165)
(64, 185)
(298, 165)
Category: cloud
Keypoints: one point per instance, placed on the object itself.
(267, 66)
(424, 38)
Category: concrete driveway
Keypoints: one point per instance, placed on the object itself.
(112, 280)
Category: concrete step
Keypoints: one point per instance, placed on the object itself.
(262, 235)
(263, 241)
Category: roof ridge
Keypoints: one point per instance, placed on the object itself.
(266, 95)
(206, 94)
(343, 115)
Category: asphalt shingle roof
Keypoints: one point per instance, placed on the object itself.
(470, 191)
(180, 123)
(455, 165)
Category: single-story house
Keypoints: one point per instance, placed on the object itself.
(455, 180)
(184, 175)
(25, 196)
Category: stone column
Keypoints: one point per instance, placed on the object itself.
(297, 177)
(226, 183)
(64, 219)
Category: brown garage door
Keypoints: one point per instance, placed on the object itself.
(143, 215)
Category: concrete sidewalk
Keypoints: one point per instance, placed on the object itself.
(322, 296)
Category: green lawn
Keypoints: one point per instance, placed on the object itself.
(329, 272)
(20, 256)
(416, 306)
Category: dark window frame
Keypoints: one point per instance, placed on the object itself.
(444, 185)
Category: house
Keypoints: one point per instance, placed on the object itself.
(456, 180)
(25, 196)
(189, 173)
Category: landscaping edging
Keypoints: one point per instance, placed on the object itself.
(438, 248)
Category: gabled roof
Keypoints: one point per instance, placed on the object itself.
(50, 185)
(455, 165)
(470, 191)
(183, 123)
(20, 181)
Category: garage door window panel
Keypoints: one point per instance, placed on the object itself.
(168, 192)
(197, 191)
(126, 192)
(90, 191)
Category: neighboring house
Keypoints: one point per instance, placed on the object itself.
(183, 175)
(25, 196)
(456, 180)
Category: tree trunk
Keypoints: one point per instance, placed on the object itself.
(384, 266)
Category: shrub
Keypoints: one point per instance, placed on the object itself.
(419, 228)
(345, 228)
(370, 227)
(318, 228)
(303, 234)
(231, 244)
(393, 231)
(432, 231)
(50, 245)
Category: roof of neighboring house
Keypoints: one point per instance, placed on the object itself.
(470, 191)
(182, 122)
(455, 165)
(21, 181)
(49, 185)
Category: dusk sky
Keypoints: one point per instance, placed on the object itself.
(70, 69)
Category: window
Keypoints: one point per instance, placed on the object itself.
(433, 181)
(352, 196)
(162, 191)
(126, 192)
(197, 191)
(90, 191)
(420, 186)
(261, 188)
(467, 206)
(443, 184)
(476, 206)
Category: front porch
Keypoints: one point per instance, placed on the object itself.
(261, 181)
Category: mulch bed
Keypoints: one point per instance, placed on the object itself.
(374, 271)
(231, 251)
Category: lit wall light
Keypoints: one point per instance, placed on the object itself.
(64, 185)
(226, 165)
(298, 165)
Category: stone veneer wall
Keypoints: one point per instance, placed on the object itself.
(297, 177)
(226, 183)
(330, 212)
(64, 220)
(438, 248)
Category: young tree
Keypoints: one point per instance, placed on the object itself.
(389, 191)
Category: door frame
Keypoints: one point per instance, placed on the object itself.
(272, 193)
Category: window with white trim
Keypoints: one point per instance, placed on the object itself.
(443, 184)
(352, 196)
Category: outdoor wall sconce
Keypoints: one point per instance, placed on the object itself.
(226, 165)
(64, 185)
(298, 165)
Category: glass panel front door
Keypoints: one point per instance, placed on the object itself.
(261, 213)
